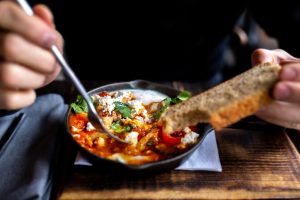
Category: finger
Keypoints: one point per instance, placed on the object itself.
(51, 77)
(278, 56)
(281, 110)
(283, 57)
(287, 91)
(15, 76)
(262, 56)
(59, 41)
(45, 14)
(13, 18)
(13, 99)
(280, 122)
(291, 72)
(16, 49)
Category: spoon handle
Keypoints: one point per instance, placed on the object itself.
(71, 75)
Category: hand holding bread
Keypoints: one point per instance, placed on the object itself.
(285, 109)
(226, 103)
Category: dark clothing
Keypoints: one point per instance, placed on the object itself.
(163, 40)
(32, 149)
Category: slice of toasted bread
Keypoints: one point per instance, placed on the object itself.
(226, 103)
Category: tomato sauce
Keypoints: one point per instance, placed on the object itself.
(148, 143)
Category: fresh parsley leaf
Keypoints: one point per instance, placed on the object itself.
(127, 128)
(165, 104)
(167, 101)
(123, 108)
(80, 105)
(118, 127)
(158, 113)
(175, 100)
(183, 95)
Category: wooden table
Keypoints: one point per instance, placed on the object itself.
(259, 161)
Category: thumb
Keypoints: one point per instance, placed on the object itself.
(262, 56)
(45, 14)
(278, 56)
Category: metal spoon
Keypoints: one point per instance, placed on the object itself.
(92, 113)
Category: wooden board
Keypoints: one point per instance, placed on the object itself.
(256, 165)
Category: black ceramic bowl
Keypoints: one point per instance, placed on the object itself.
(154, 166)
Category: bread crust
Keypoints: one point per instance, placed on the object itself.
(238, 110)
(226, 103)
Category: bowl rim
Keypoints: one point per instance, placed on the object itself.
(144, 85)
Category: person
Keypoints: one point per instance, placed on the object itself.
(169, 40)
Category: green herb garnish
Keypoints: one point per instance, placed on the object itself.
(165, 104)
(183, 95)
(118, 127)
(123, 108)
(80, 105)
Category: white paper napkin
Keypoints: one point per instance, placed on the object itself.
(205, 158)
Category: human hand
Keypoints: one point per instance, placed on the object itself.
(285, 110)
(25, 62)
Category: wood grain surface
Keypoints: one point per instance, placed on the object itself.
(257, 164)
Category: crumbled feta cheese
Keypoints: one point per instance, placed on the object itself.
(146, 116)
(190, 137)
(107, 102)
(187, 130)
(124, 95)
(90, 127)
(132, 138)
(139, 118)
(137, 106)
(148, 120)
(95, 97)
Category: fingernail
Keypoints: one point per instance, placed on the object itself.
(281, 92)
(49, 39)
(288, 73)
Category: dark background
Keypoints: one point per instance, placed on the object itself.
(189, 40)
